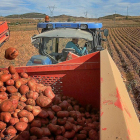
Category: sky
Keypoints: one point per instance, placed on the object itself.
(84, 8)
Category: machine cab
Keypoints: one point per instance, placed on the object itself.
(53, 37)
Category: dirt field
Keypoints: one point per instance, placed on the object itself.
(20, 40)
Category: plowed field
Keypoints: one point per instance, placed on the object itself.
(124, 47)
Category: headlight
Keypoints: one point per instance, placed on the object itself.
(83, 26)
(50, 26)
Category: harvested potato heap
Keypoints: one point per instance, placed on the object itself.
(31, 111)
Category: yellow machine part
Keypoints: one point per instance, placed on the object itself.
(118, 119)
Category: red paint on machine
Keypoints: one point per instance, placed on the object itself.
(118, 102)
(107, 102)
(104, 128)
(128, 131)
(102, 113)
(127, 112)
(101, 79)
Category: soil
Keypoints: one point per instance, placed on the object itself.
(21, 40)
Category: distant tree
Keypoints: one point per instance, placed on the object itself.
(71, 19)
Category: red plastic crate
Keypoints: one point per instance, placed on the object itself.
(78, 78)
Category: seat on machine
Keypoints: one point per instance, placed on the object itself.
(65, 52)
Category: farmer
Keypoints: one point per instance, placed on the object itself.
(74, 45)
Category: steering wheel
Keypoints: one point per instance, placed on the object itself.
(54, 61)
(42, 51)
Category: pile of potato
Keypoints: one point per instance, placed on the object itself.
(31, 111)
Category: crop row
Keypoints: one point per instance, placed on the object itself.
(124, 50)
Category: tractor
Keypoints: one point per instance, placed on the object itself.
(53, 37)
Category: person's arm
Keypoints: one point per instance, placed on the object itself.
(77, 50)
(80, 52)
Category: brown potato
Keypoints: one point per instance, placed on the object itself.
(21, 126)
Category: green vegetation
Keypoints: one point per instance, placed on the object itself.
(27, 15)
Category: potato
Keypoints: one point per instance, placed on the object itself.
(10, 82)
(1, 83)
(68, 126)
(80, 122)
(21, 105)
(12, 69)
(55, 129)
(93, 134)
(32, 85)
(43, 114)
(14, 97)
(9, 105)
(62, 114)
(36, 131)
(23, 89)
(23, 98)
(75, 128)
(61, 121)
(51, 115)
(44, 122)
(87, 115)
(10, 131)
(16, 94)
(36, 110)
(5, 77)
(32, 95)
(18, 84)
(33, 137)
(29, 107)
(24, 75)
(79, 127)
(2, 125)
(43, 101)
(15, 76)
(30, 102)
(2, 89)
(56, 108)
(13, 121)
(11, 53)
(11, 89)
(25, 113)
(49, 93)
(73, 114)
(71, 119)
(70, 108)
(56, 100)
(76, 107)
(46, 131)
(21, 126)
(83, 132)
(60, 138)
(64, 105)
(24, 119)
(40, 88)
(54, 120)
(69, 134)
(81, 136)
(3, 95)
(63, 130)
(36, 123)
